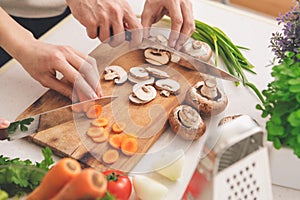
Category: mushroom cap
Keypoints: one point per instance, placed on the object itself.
(122, 74)
(205, 105)
(157, 57)
(198, 49)
(133, 80)
(187, 122)
(168, 84)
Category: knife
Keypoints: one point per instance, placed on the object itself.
(29, 125)
(192, 62)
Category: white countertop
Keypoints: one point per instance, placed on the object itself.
(19, 90)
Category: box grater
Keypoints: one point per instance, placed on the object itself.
(235, 164)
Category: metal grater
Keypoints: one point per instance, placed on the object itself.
(236, 164)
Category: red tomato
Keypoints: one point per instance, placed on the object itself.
(119, 184)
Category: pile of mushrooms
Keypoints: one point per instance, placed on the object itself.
(186, 122)
(206, 97)
(146, 79)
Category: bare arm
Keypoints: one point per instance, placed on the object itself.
(42, 60)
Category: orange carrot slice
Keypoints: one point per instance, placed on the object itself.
(103, 138)
(129, 146)
(110, 156)
(57, 177)
(96, 131)
(100, 122)
(89, 184)
(116, 140)
(94, 111)
(118, 127)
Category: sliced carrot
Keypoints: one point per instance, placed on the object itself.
(116, 140)
(103, 138)
(94, 111)
(129, 146)
(103, 121)
(89, 184)
(97, 131)
(110, 156)
(58, 176)
(118, 127)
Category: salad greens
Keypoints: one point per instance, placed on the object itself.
(18, 177)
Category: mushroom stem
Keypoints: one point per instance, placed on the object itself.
(209, 89)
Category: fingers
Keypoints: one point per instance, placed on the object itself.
(4, 123)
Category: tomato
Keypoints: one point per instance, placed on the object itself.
(119, 184)
(196, 186)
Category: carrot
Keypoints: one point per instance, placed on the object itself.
(94, 111)
(129, 146)
(103, 137)
(97, 132)
(110, 156)
(89, 184)
(103, 121)
(57, 177)
(118, 127)
(117, 140)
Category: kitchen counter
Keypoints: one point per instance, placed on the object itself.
(19, 90)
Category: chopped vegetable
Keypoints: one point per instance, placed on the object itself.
(100, 122)
(102, 138)
(110, 156)
(129, 146)
(97, 132)
(119, 184)
(3, 195)
(89, 184)
(171, 164)
(57, 177)
(118, 127)
(147, 188)
(94, 111)
(117, 140)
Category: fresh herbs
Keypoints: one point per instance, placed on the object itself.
(282, 96)
(230, 53)
(22, 124)
(289, 38)
(22, 176)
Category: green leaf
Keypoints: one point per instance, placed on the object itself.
(27, 121)
(274, 129)
(294, 118)
(295, 88)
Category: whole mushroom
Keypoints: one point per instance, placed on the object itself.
(187, 122)
(206, 97)
(198, 49)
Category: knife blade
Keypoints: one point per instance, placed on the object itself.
(192, 62)
(29, 125)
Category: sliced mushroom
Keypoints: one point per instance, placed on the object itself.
(133, 80)
(164, 93)
(157, 56)
(168, 84)
(198, 49)
(144, 92)
(187, 122)
(139, 73)
(112, 71)
(136, 100)
(157, 73)
(207, 98)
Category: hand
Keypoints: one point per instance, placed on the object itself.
(103, 18)
(4, 123)
(42, 61)
(181, 14)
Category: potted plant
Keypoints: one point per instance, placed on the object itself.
(281, 105)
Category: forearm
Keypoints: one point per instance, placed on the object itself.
(13, 37)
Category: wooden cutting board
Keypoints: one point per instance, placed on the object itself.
(147, 122)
